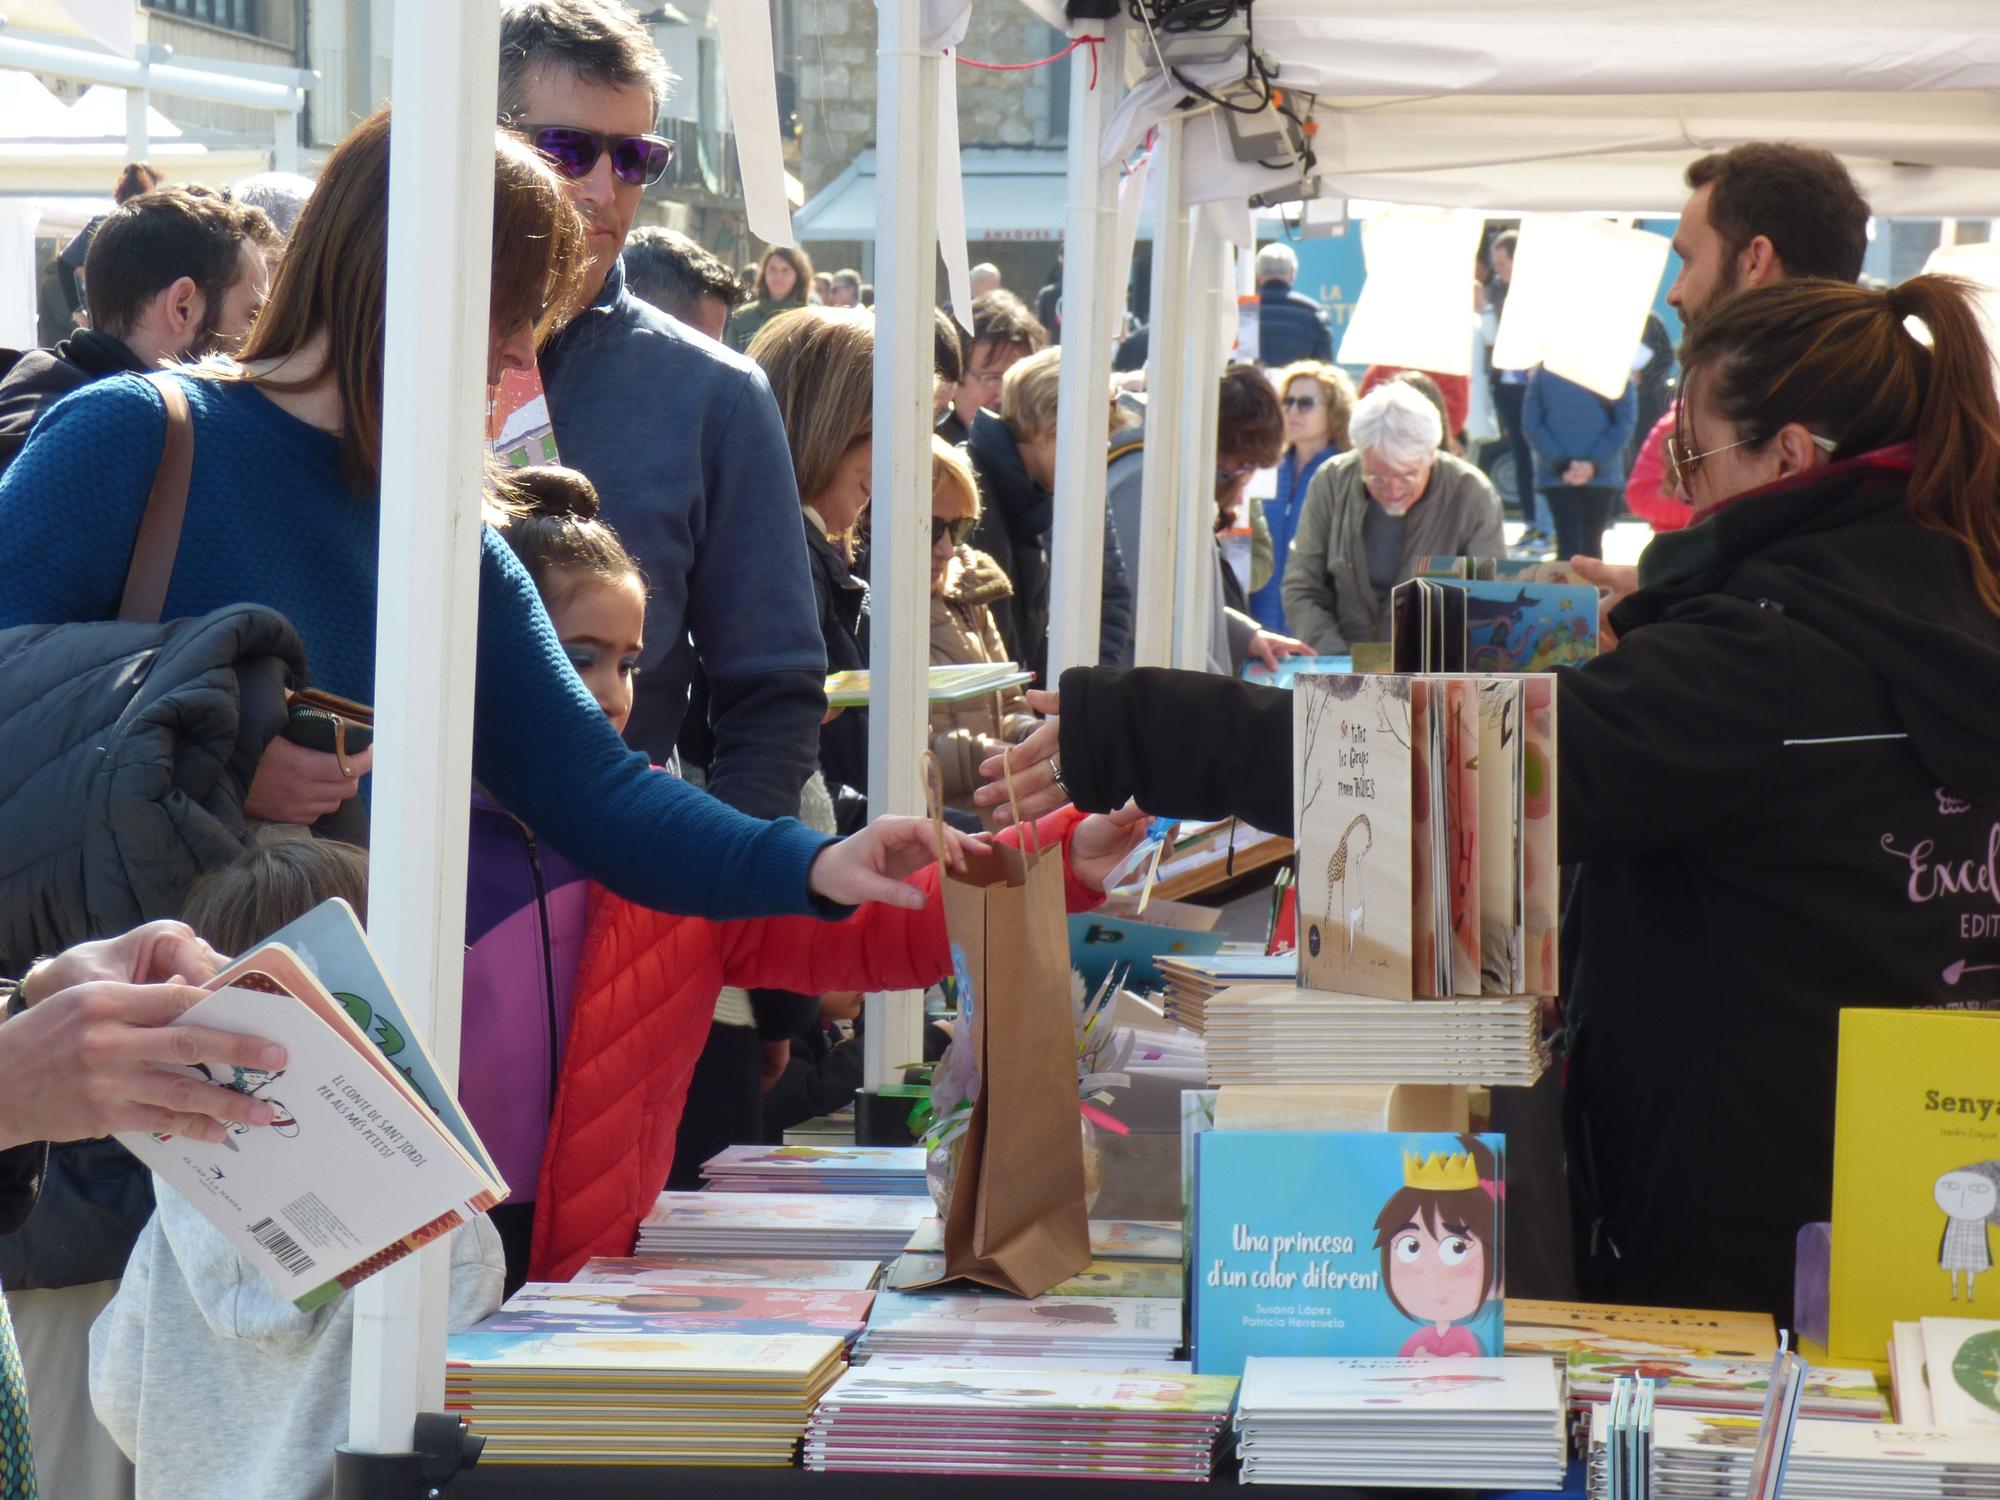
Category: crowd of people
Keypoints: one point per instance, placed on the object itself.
(654, 753)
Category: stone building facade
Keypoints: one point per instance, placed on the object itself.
(835, 67)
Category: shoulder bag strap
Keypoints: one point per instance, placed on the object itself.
(152, 566)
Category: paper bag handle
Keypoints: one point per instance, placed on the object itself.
(1028, 830)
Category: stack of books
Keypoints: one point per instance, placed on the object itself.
(1002, 1325)
(1459, 1423)
(817, 1169)
(1723, 1386)
(809, 1226)
(1700, 1457)
(1189, 982)
(1279, 1034)
(593, 1398)
(1946, 1373)
(1096, 1426)
(727, 1270)
(948, 684)
(1129, 1258)
(608, 1307)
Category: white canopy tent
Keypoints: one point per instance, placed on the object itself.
(1534, 104)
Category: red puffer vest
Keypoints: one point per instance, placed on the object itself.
(645, 993)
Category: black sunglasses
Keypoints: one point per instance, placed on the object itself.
(957, 530)
(640, 160)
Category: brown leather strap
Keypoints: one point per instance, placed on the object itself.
(159, 539)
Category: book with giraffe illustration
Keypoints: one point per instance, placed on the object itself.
(1426, 834)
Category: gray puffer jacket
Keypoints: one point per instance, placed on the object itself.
(125, 755)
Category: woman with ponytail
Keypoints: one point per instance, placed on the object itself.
(1779, 793)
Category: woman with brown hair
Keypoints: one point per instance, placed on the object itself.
(1781, 788)
(784, 284)
(821, 365)
(282, 512)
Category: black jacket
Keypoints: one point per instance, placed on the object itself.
(125, 755)
(1769, 790)
(843, 621)
(1290, 326)
(42, 377)
(1014, 529)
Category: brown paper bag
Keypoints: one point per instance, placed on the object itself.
(1017, 1219)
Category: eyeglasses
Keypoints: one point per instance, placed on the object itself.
(1225, 477)
(1300, 403)
(991, 379)
(1680, 462)
(957, 530)
(640, 160)
(1408, 479)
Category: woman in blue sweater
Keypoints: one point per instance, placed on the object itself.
(282, 511)
(1318, 399)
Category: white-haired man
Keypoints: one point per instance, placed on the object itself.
(985, 278)
(1290, 325)
(1372, 512)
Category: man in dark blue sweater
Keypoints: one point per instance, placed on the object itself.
(1290, 325)
(684, 443)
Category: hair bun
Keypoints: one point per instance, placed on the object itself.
(555, 493)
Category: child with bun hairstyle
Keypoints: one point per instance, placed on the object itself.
(585, 1013)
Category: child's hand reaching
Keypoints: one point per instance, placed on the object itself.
(1102, 841)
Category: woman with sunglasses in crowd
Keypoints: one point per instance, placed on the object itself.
(1780, 790)
(1318, 400)
(282, 511)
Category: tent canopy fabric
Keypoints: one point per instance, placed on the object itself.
(1598, 104)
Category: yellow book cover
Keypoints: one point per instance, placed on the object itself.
(1916, 1176)
(1560, 1327)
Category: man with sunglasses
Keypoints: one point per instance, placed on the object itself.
(682, 439)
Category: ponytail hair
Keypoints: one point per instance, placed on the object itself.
(1842, 361)
(551, 522)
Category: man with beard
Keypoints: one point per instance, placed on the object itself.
(1765, 212)
(171, 275)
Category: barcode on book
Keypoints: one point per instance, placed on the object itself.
(285, 1250)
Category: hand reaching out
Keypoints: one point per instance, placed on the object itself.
(1034, 763)
(153, 954)
(1103, 840)
(1267, 646)
(1613, 584)
(876, 863)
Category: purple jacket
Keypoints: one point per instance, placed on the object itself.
(525, 912)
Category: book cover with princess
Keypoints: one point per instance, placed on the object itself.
(1916, 1189)
(1376, 1245)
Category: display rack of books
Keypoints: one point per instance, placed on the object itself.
(1074, 1424)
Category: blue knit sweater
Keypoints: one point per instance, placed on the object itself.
(271, 520)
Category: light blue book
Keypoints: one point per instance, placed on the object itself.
(329, 941)
(1349, 1245)
(1098, 942)
(1290, 667)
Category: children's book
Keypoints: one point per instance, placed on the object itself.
(1307, 1388)
(1916, 1174)
(1497, 569)
(1689, 1382)
(356, 1172)
(1963, 1358)
(1631, 1332)
(1456, 625)
(948, 684)
(1371, 1245)
(518, 425)
(331, 944)
(943, 1390)
(568, 1307)
(1290, 668)
(1099, 942)
(725, 1270)
(1101, 1278)
(1425, 810)
(1110, 1239)
(1909, 1377)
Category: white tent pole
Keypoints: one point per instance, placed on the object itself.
(906, 116)
(1201, 362)
(1090, 308)
(434, 394)
(1166, 353)
(138, 132)
(53, 56)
